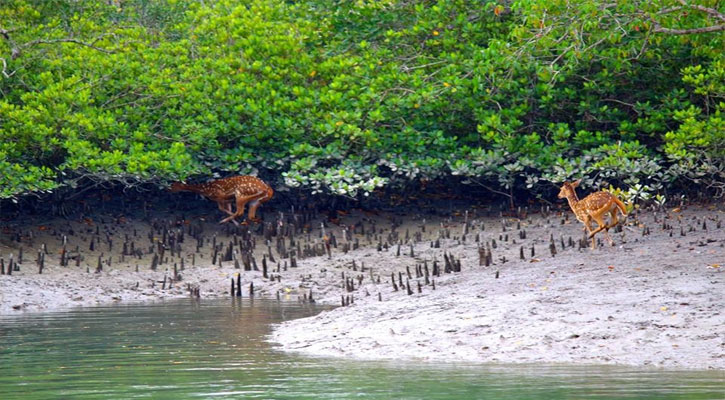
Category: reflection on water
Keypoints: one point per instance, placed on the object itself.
(216, 349)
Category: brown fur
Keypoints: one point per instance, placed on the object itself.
(593, 207)
(241, 189)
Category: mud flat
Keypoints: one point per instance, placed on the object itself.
(415, 286)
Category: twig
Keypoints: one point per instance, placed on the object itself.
(67, 40)
(708, 29)
(658, 28)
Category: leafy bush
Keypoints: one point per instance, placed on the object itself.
(349, 97)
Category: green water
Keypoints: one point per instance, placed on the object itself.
(216, 349)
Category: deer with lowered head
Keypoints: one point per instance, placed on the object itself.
(243, 190)
(593, 208)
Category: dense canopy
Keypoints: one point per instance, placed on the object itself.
(345, 96)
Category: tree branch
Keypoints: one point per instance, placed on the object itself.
(15, 49)
(708, 29)
(658, 28)
(5, 69)
(69, 40)
(717, 14)
(668, 10)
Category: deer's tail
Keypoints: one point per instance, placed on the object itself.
(620, 205)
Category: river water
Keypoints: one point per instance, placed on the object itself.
(216, 349)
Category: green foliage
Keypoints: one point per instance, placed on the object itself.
(348, 97)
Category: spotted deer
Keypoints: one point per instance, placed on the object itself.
(241, 189)
(593, 207)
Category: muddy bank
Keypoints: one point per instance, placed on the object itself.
(653, 299)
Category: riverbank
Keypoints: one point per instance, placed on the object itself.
(655, 299)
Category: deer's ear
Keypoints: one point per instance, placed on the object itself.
(576, 183)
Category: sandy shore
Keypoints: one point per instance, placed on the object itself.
(652, 300)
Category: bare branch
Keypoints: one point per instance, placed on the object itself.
(406, 68)
(717, 14)
(69, 40)
(658, 28)
(561, 54)
(5, 69)
(15, 49)
(633, 106)
(668, 10)
(479, 183)
(6, 33)
(708, 29)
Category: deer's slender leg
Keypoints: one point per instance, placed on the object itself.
(598, 217)
(588, 229)
(225, 206)
(609, 239)
(253, 207)
(241, 203)
(615, 220)
(600, 222)
(599, 229)
(603, 226)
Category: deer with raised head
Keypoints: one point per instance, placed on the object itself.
(593, 207)
(242, 190)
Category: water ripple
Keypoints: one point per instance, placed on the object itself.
(216, 349)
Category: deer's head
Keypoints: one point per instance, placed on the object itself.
(568, 188)
(177, 187)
